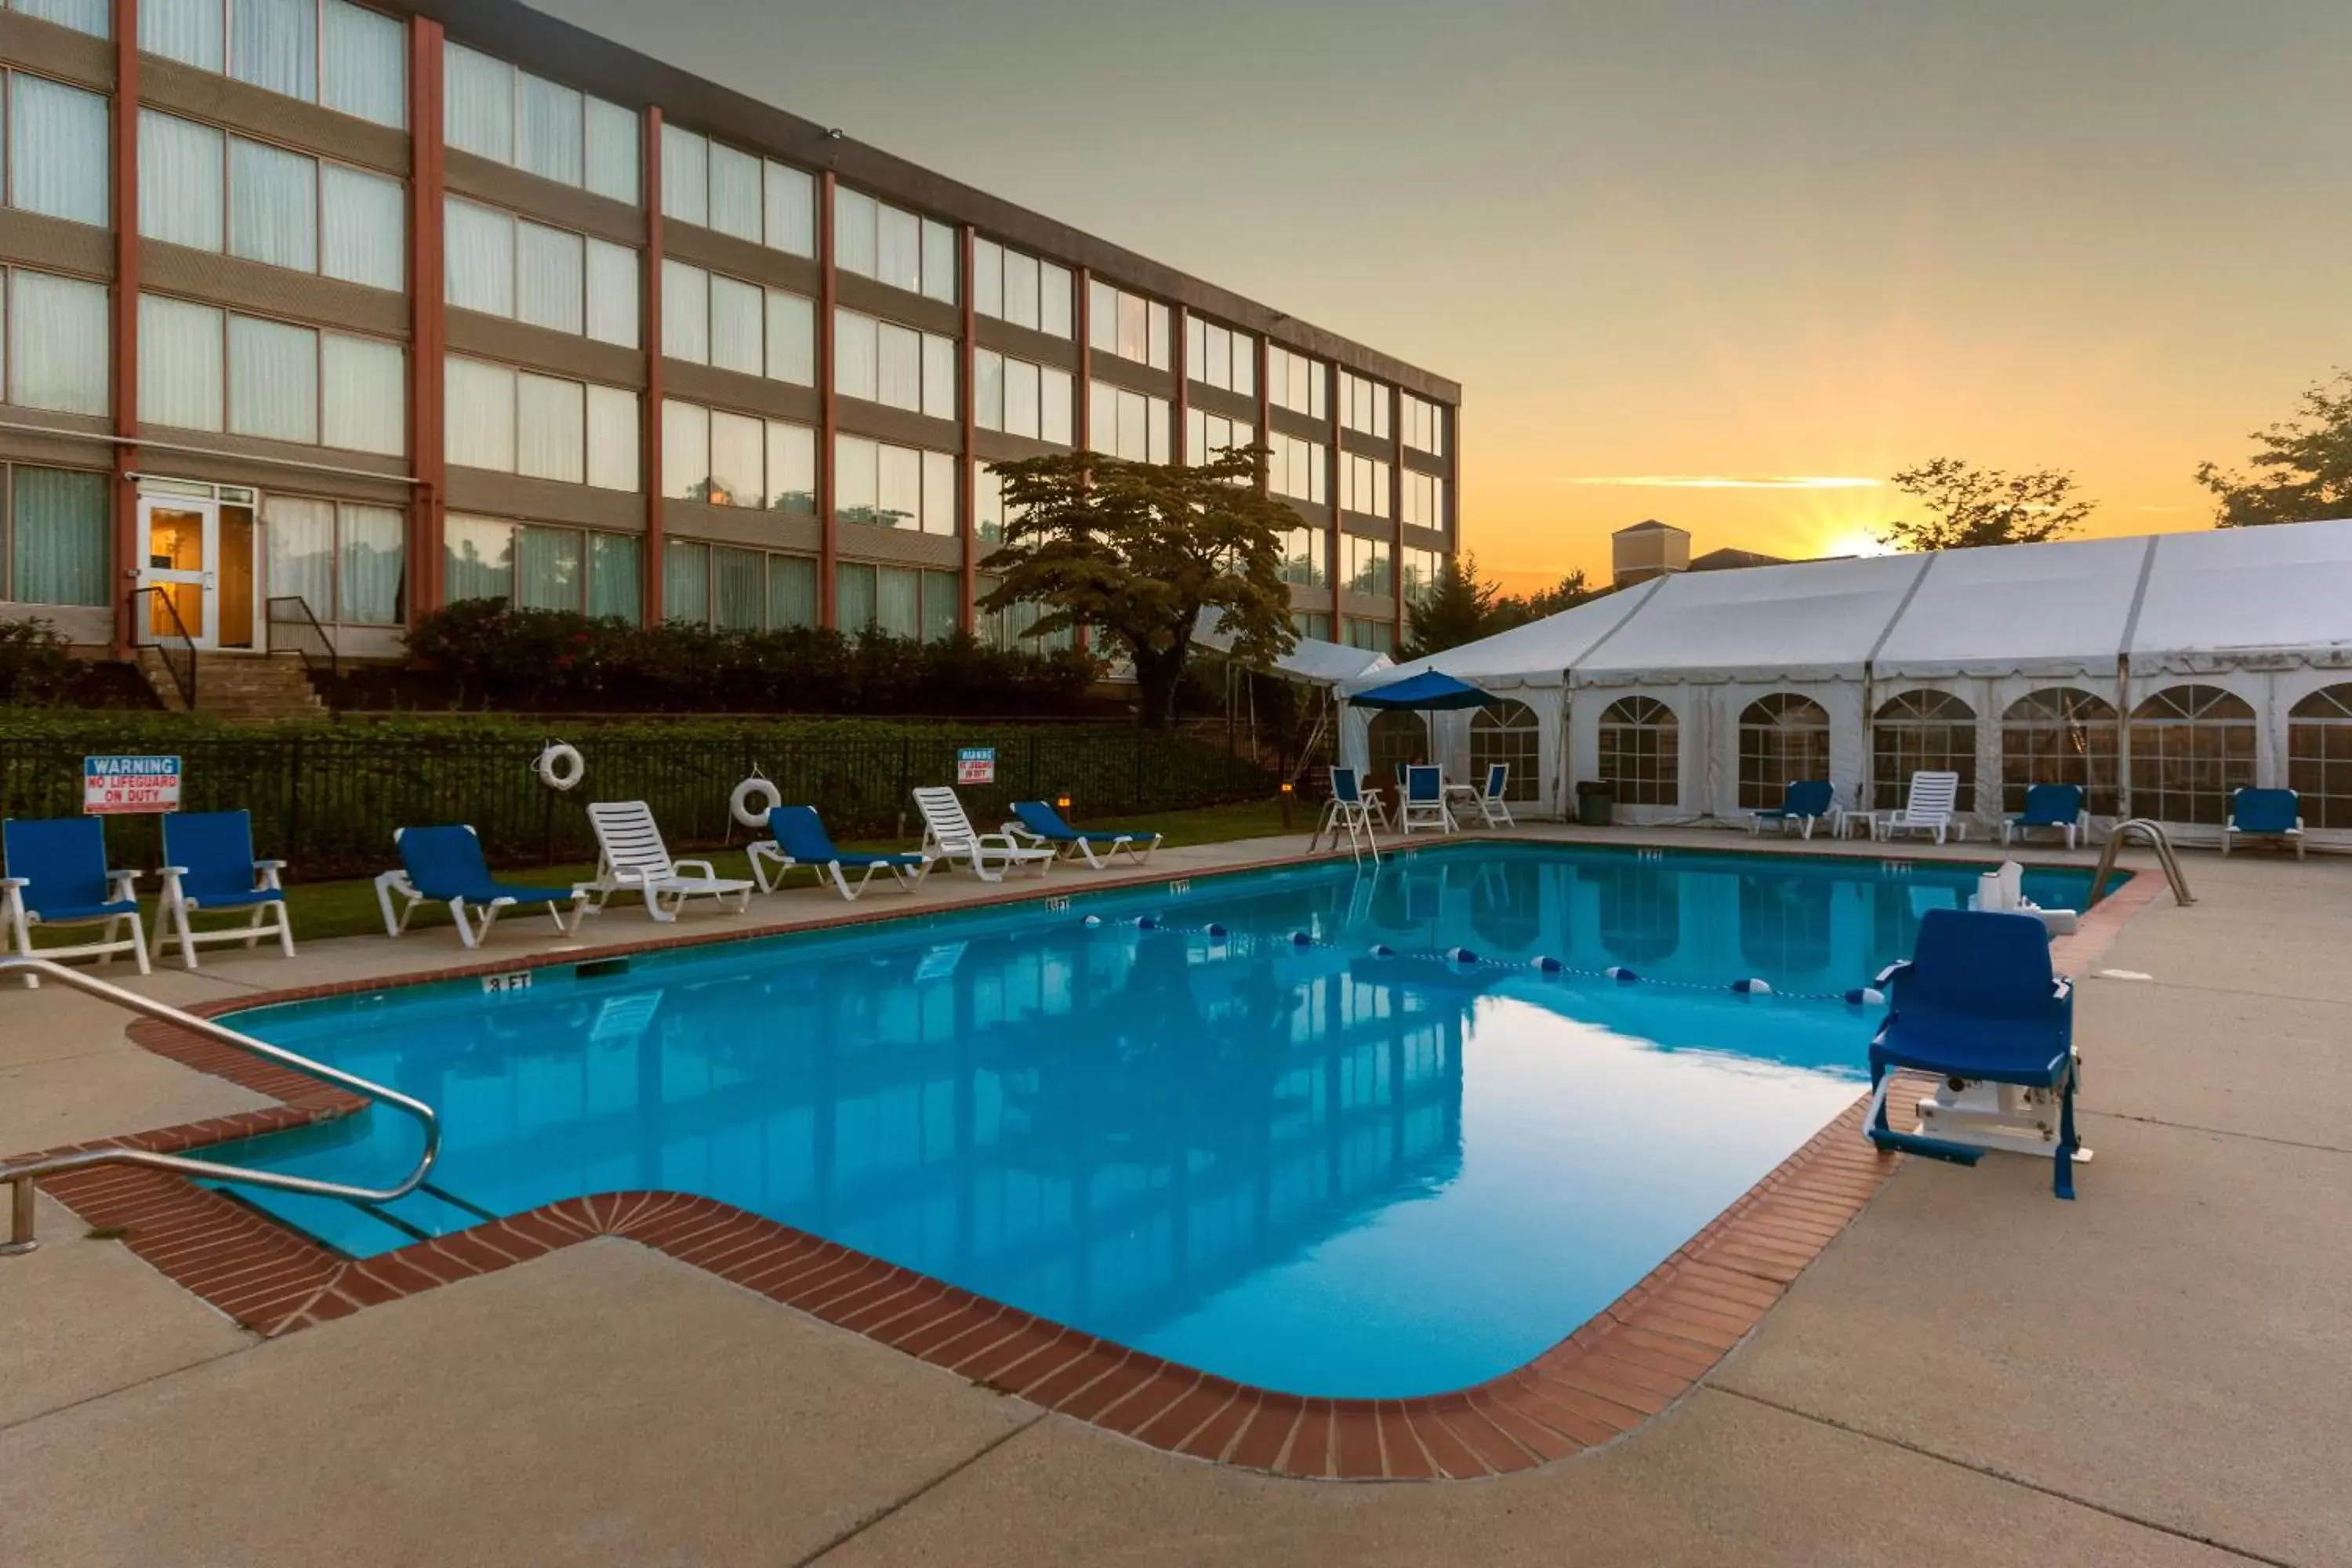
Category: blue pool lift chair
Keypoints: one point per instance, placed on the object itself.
(2056, 806)
(445, 864)
(1978, 1006)
(2264, 814)
(57, 875)
(1040, 823)
(1803, 803)
(796, 836)
(210, 868)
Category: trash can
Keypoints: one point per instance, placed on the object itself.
(1595, 800)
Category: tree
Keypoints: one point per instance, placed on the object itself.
(1456, 609)
(2303, 469)
(1141, 551)
(1969, 506)
(1566, 594)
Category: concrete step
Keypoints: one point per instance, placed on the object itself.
(238, 688)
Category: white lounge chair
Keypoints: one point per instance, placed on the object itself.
(950, 833)
(631, 857)
(1929, 809)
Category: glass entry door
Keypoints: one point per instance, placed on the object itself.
(181, 540)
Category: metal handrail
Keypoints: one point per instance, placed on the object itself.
(303, 615)
(185, 681)
(2152, 833)
(19, 1178)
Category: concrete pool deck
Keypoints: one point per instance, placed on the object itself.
(2152, 1374)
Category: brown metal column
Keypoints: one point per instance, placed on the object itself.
(968, 417)
(1082, 405)
(828, 549)
(1265, 414)
(650, 419)
(123, 391)
(428, 322)
(1396, 501)
(1338, 524)
(1180, 355)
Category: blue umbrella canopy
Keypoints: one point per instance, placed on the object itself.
(1430, 688)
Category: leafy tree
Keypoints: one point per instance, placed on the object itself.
(1566, 594)
(1969, 506)
(1141, 551)
(1456, 609)
(2303, 469)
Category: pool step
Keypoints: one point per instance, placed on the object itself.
(427, 1213)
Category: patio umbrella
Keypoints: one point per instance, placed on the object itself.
(1430, 688)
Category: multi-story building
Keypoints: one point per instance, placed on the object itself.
(382, 307)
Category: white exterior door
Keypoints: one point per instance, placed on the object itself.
(182, 561)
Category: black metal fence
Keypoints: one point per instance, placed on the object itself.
(328, 804)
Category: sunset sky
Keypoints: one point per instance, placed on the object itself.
(1679, 254)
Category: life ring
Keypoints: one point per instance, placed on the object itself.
(739, 803)
(560, 766)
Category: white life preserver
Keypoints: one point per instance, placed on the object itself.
(560, 766)
(739, 802)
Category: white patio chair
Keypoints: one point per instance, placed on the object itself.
(949, 831)
(631, 857)
(1423, 801)
(1927, 808)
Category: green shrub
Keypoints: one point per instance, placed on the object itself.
(36, 670)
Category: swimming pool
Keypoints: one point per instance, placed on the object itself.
(1343, 1165)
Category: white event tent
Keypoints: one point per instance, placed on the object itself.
(2160, 672)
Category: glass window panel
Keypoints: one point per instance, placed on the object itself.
(1102, 416)
(942, 599)
(1102, 316)
(478, 251)
(550, 429)
(611, 167)
(273, 380)
(988, 508)
(739, 446)
(735, 193)
(478, 103)
(1196, 350)
(939, 261)
(1054, 407)
(685, 582)
(988, 389)
(739, 328)
(551, 131)
(939, 376)
(1134, 326)
(89, 17)
(899, 488)
(59, 545)
(854, 350)
(1156, 429)
(792, 592)
(550, 289)
(617, 576)
(180, 362)
(57, 354)
(1021, 289)
(362, 227)
(1022, 413)
(686, 450)
(612, 293)
(939, 510)
(365, 56)
(790, 217)
(1156, 339)
(181, 197)
(852, 231)
(739, 590)
(1134, 443)
(898, 248)
(550, 569)
(480, 399)
(190, 31)
(791, 338)
(856, 478)
(686, 313)
(612, 438)
(273, 205)
(480, 558)
(372, 565)
(988, 277)
(899, 602)
(686, 176)
(1054, 299)
(275, 44)
(898, 372)
(57, 150)
(363, 394)
(853, 595)
(792, 468)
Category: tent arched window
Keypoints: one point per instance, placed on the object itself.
(2060, 735)
(2319, 756)
(1641, 747)
(1922, 732)
(1508, 732)
(2192, 747)
(1784, 739)
(1398, 736)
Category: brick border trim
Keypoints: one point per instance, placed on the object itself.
(1630, 1362)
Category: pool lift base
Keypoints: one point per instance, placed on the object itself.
(2006, 1118)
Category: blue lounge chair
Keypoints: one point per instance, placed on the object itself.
(56, 876)
(2265, 813)
(796, 836)
(210, 868)
(1803, 803)
(445, 864)
(2052, 805)
(1423, 800)
(1977, 1004)
(1041, 824)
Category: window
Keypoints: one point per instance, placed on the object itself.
(890, 245)
(713, 320)
(540, 427)
(2192, 747)
(1417, 572)
(712, 186)
(1425, 426)
(1424, 499)
(1297, 382)
(1297, 468)
(1220, 357)
(1021, 398)
(59, 537)
(59, 335)
(885, 363)
(1363, 406)
(886, 486)
(205, 189)
(1923, 731)
(735, 459)
(731, 589)
(1508, 732)
(1784, 739)
(1015, 286)
(528, 122)
(1641, 752)
(2319, 756)
(1128, 325)
(1367, 565)
(501, 265)
(1373, 636)
(1307, 557)
(544, 568)
(1012, 628)
(1364, 485)
(91, 16)
(202, 368)
(897, 601)
(346, 563)
(1208, 436)
(328, 52)
(2060, 735)
(1313, 624)
(1129, 425)
(59, 151)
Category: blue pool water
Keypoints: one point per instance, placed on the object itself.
(1304, 1166)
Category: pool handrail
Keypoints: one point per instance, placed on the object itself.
(20, 1177)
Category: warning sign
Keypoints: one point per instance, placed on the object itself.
(976, 765)
(122, 786)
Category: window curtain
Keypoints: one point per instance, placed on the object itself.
(480, 399)
(939, 376)
(611, 306)
(550, 129)
(612, 438)
(685, 175)
(60, 551)
(180, 364)
(91, 16)
(362, 228)
(58, 356)
(1022, 381)
(853, 354)
(941, 590)
(480, 560)
(988, 389)
(548, 564)
(855, 478)
(374, 565)
(738, 326)
(792, 467)
(275, 44)
(366, 64)
(853, 596)
(273, 380)
(898, 248)
(792, 592)
(478, 248)
(899, 601)
(852, 231)
(188, 31)
(686, 313)
(685, 582)
(735, 193)
(617, 576)
(612, 159)
(791, 338)
(939, 493)
(365, 390)
(739, 590)
(273, 205)
(550, 429)
(939, 260)
(57, 150)
(738, 456)
(686, 450)
(301, 533)
(180, 165)
(550, 289)
(477, 95)
(898, 379)
(1021, 291)
(791, 210)
(899, 501)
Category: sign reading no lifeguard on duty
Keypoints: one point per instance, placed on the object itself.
(118, 786)
(976, 765)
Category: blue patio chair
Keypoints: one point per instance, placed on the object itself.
(2052, 805)
(1041, 824)
(1423, 800)
(445, 864)
(1803, 803)
(2265, 813)
(210, 870)
(1977, 1003)
(57, 875)
(796, 836)
(1351, 809)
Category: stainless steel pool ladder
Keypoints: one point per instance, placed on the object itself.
(2153, 835)
(19, 1178)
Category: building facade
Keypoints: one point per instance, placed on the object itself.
(318, 310)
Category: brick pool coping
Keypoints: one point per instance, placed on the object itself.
(1630, 1362)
